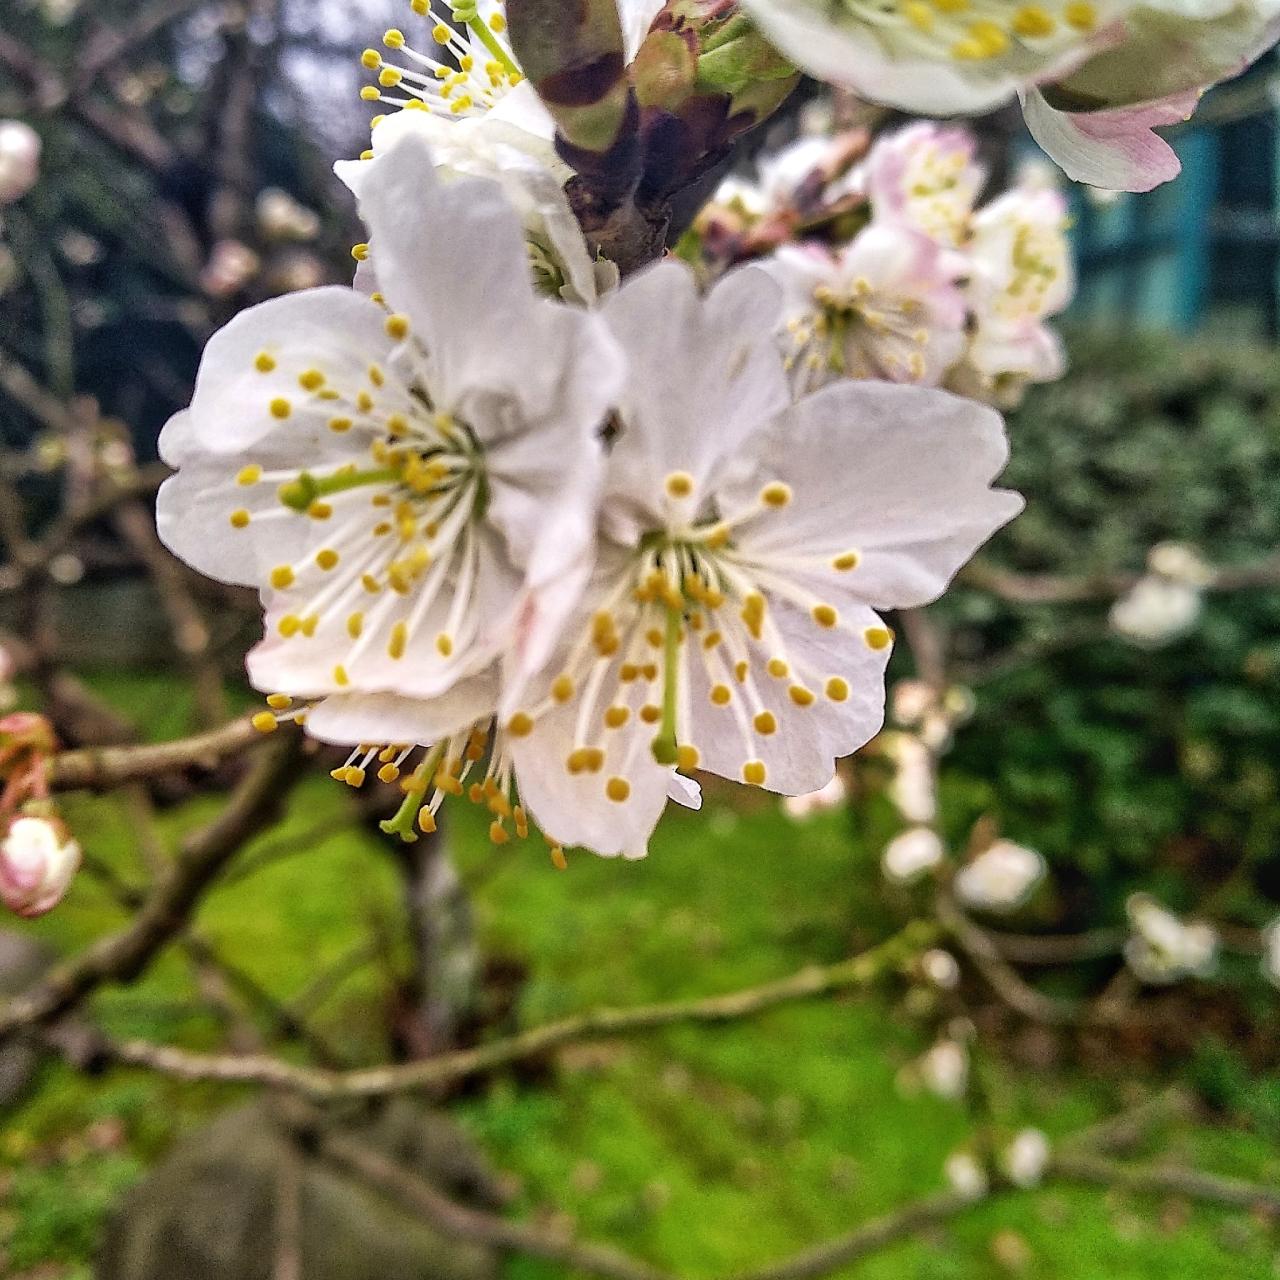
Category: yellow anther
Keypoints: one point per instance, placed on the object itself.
(801, 696)
(369, 93)
(279, 701)
(776, 495)
(847, 561)
(498, 22)
(766, 723)
(616, 717)
(280, 408)
(389, 77)
(654, 637)
(711, 640)
(562, 688)
(340, 425)
(993, 39)
(388, 773)
(618, 790)
(370, 583)
(265, 362)
(289, 625)
(1081, 14)
(679, 484)
(753, 773)
(475, 793)
(447, 783)
(778, 669)
(397, 327)
(240, 519)
(878, 637)
(426, 821)
(282, 577)
(520, 725)
(327, 559)
(249, 475)
(340, 677)
(399, 640)
(558, 860)
(919, 15)
(360, 252)
(265, 722)
(825, 616)
(741, 671)
(444, 645)
(1032, 21)
(393, 39)
(838, 689)
(650, 714)
(355, 776)
(498, 834)
(320, 510)
(717, 536)
(687, 758)
(721, 695)
(311, 380)
(441, 33)
(593, 759)
(371, 59)
(310, 624)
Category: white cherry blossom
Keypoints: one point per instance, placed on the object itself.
(20, 149)
(412, 486)
(911, 855)
(1026, 1158)
(884, 306)
(1094, 76)
(746, 545)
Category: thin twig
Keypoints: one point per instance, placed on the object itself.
(1209, 1188)
(857, 974)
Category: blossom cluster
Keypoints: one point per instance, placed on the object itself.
(558, 558)
(892, 269)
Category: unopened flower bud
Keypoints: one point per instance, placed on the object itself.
(912, 855)
(944, 1070)
(38, 861)
(1001, 879)
(966, 1176)
(19, 160)
(1026, 1158)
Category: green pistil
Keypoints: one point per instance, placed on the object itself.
(665, 747)
(405, 822)
(299, 494)
(465, 11)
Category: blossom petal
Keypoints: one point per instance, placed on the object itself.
(1116, 149)
(898, 476)
(828, 704)
(348, 719)
(694, 361)
(248, 393)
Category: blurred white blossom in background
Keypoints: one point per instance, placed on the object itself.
(910, 856)
(20, 149)
(1001, 879)
(1164, 949)
(1026, 1158)
(829, 797)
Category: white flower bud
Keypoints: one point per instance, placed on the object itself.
(966, 1176)
(830, 797)
(1156, 611)
(944, 1070)
(1001, 879)
(1026, 1158)
(940, 968)
(1179, 563)
(19, 160)
(37, 863)
(230, 267)
(1164, 949)
(912, 855)
(913, 790)
(281, 217)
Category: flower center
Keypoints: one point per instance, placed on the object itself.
(469, 73)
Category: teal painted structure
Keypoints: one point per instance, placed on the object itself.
(1203, 250)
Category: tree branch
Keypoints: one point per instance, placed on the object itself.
(857, 974)
(122, 956)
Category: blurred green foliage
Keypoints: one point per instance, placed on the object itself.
(1129, 766)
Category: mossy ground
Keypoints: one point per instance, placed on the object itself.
(704, 1149)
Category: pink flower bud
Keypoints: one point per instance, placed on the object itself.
(38, 860)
